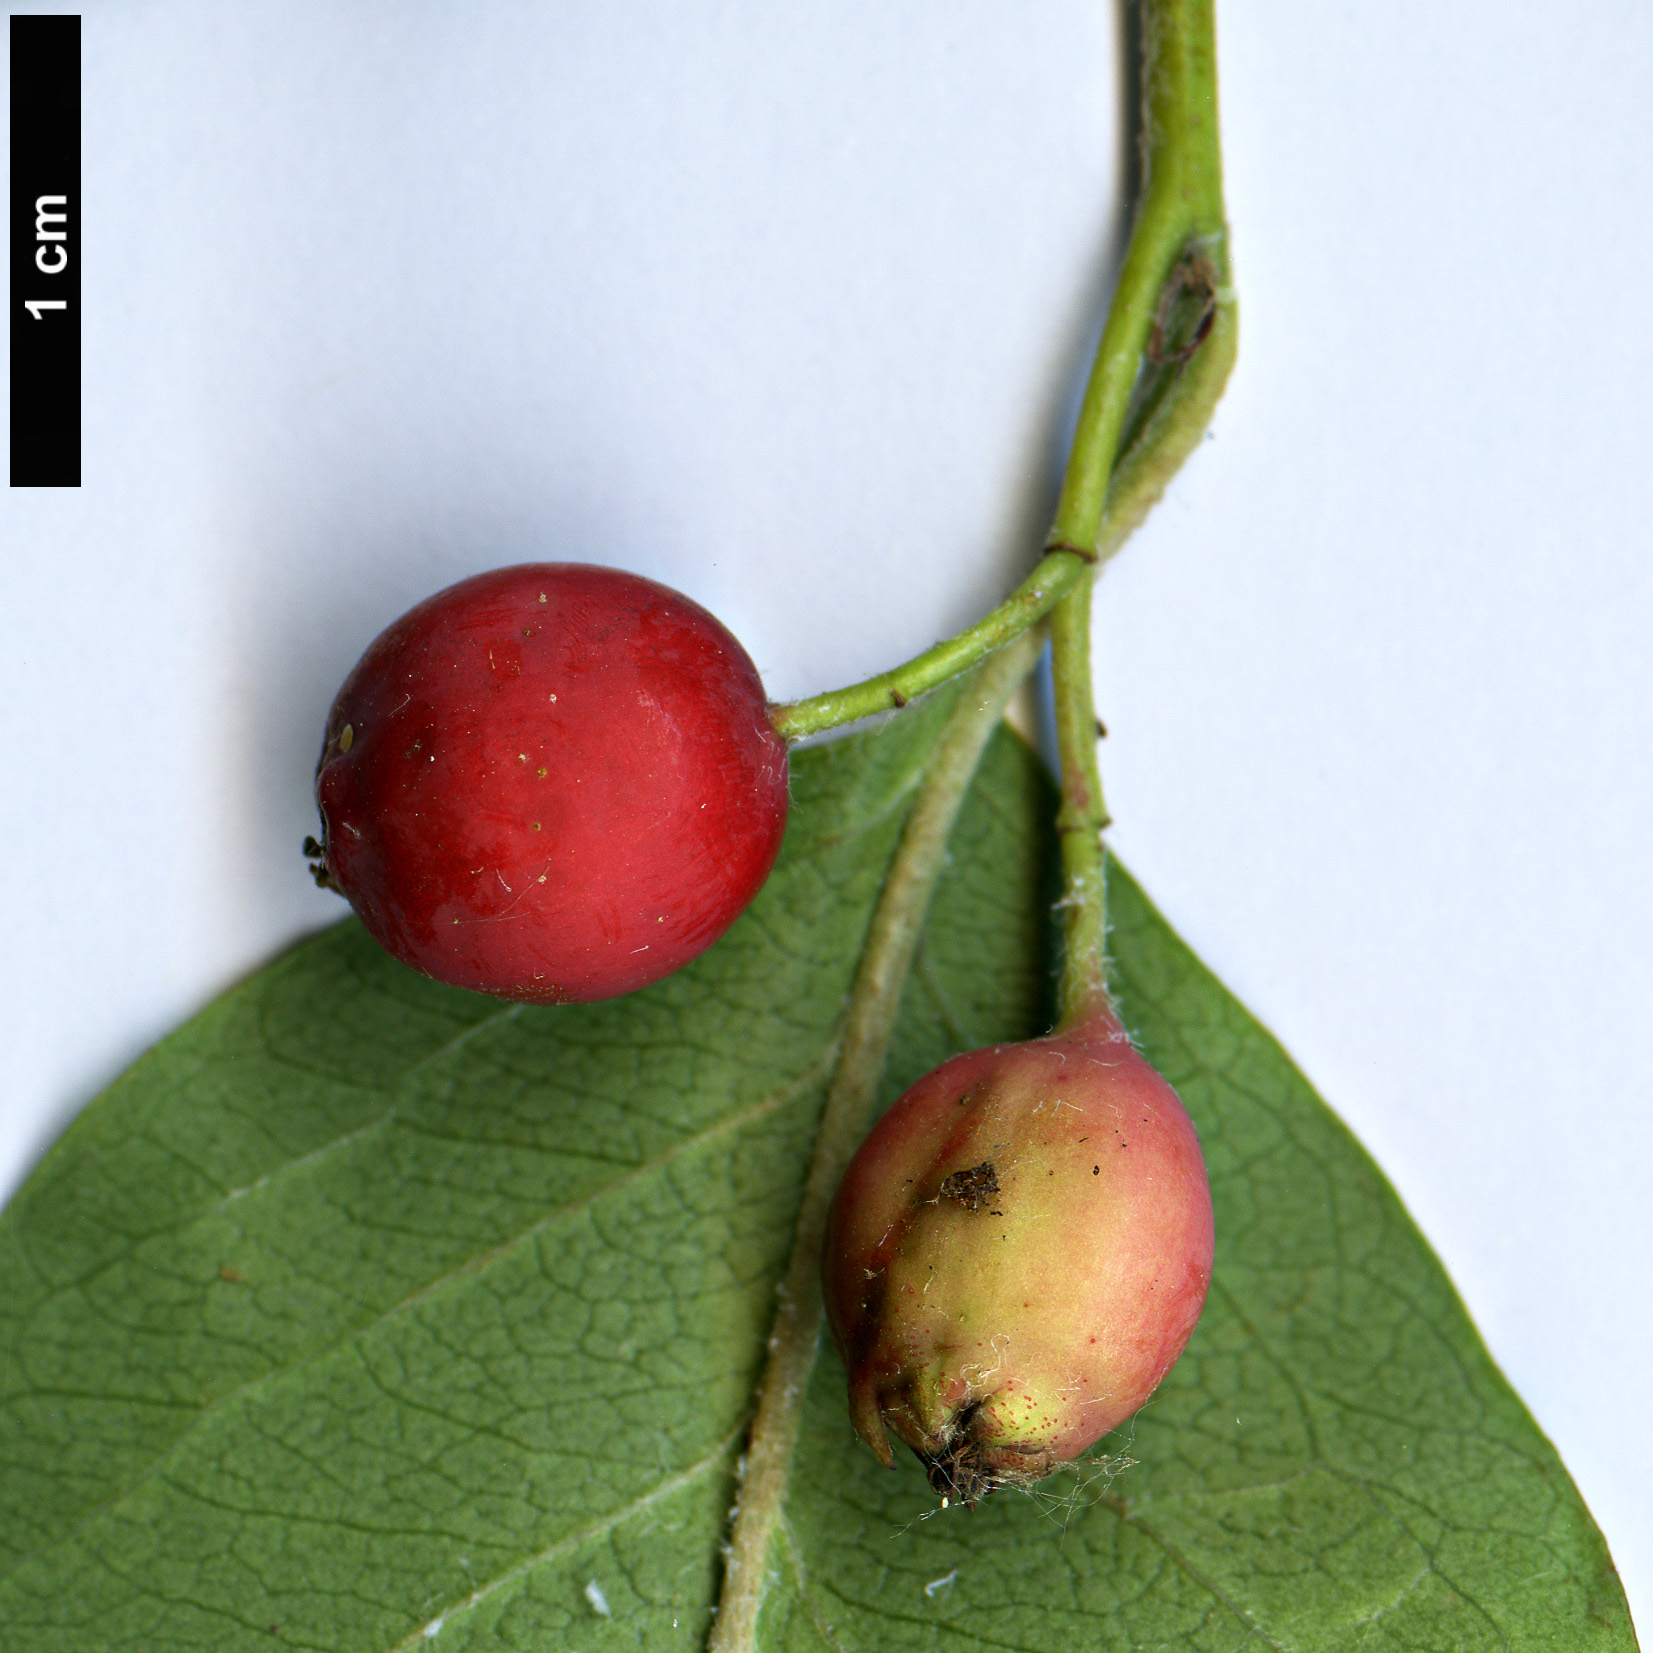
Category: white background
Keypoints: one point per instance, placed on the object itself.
(785, 305)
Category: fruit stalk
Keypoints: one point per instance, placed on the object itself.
(1165, 355)
(1083, 988)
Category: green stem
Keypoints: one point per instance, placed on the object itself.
(1081, 816)
(1144, 410)
(1055, 575)
(1181, 212)
(1165, 355)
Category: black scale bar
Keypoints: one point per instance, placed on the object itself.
(45, 252)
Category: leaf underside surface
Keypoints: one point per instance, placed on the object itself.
(366, 1314)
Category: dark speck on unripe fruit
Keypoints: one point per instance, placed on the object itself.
(553, 783)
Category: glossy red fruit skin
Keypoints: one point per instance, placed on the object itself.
(553, 783)
(1017, 1255)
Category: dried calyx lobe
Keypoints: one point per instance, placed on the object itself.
(1017, 1255)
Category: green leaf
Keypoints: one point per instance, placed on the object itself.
(365, 1314)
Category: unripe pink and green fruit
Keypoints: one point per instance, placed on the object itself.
(1017, 1255)
(553, 783)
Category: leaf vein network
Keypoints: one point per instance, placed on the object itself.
(719, 1454)
(1191, 1572)
(765, 1106)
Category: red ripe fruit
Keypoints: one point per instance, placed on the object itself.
(1017, 1255)
(553, 783)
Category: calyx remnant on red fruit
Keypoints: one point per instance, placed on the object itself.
(553, 783)
(1017, 1255)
